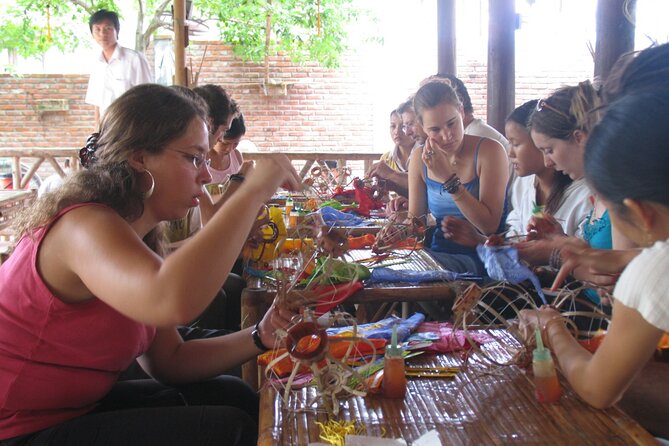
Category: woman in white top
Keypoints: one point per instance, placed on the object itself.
(625, 163)
(537, 187)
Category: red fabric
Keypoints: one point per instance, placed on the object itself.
(56, 359)
(333, 295)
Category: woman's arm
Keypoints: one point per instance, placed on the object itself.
(417, 188)
(602, 378)
(94, 252)
(493, 171)
(172, 360)
(207, 206)
(397, 181)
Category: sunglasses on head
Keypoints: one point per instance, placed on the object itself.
(543, 104)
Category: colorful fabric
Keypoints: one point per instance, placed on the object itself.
(383, 329)
(383, 274)
(503, 263)
(444, 338)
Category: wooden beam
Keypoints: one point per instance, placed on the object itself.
(179, 14)
(615, 33)
(446, 49)
(501, 61)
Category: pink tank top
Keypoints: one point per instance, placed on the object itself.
(221, 176)
(56, 359)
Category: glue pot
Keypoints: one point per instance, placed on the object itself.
(394, 380)
(546, 384)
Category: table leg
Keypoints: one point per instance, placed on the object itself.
(255, 302)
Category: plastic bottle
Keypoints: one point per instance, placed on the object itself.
(289, 206)
(546, 384)
(394, 379)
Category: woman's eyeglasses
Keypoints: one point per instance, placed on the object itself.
(542, 104)
(197, 160)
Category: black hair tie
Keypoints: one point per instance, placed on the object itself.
(87, 153)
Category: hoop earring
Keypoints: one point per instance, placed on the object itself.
(149, 192)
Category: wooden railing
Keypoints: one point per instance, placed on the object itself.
(302, 160)
(38, 156)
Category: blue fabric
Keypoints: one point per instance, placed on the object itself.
(459, 263)
(333, 217)
(383, 329)
(502, 263)
(382, 274)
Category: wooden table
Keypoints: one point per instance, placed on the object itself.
(256, 301)
(482, 405)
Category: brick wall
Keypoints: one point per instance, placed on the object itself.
(323, 109)
(22, 125)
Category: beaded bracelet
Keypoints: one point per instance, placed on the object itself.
(451, 185)
(554, 260)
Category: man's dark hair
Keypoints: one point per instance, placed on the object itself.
(101, 15)
(221, 107)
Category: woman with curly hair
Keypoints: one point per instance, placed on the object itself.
(86, 291)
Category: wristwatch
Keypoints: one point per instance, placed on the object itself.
(237, 177)
(255, 334)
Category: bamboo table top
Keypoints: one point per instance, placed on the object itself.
(482, 405)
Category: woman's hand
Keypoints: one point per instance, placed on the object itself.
(461, 231)
(380, 170)
(275, 319)
(530, 320)
(435, 159)
(598, 266)
(271, 173)
(397, 205)
(535, 252)
(544, 226)
(245, 167)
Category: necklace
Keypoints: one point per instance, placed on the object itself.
(456, 155)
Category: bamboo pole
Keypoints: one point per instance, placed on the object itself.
(179, 15)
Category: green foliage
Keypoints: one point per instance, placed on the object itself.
(242, 23)
(294, 27)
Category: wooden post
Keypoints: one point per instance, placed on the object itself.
(179, 14)
(501, 61)
(615, 33)
(446, 53)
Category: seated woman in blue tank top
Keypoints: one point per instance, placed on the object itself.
(455, 174)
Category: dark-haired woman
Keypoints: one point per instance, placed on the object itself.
(625, 163)
(86, 291)
(535, 187)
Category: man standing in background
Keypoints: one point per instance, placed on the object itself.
(117, 69)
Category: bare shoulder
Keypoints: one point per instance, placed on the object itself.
(239, 156)
(490, 147)
(90, 226)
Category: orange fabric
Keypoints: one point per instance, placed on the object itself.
(364, 241)
(336, 349)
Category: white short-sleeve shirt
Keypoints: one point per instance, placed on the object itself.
(573, 210)
(644, 285)
(109, 80)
